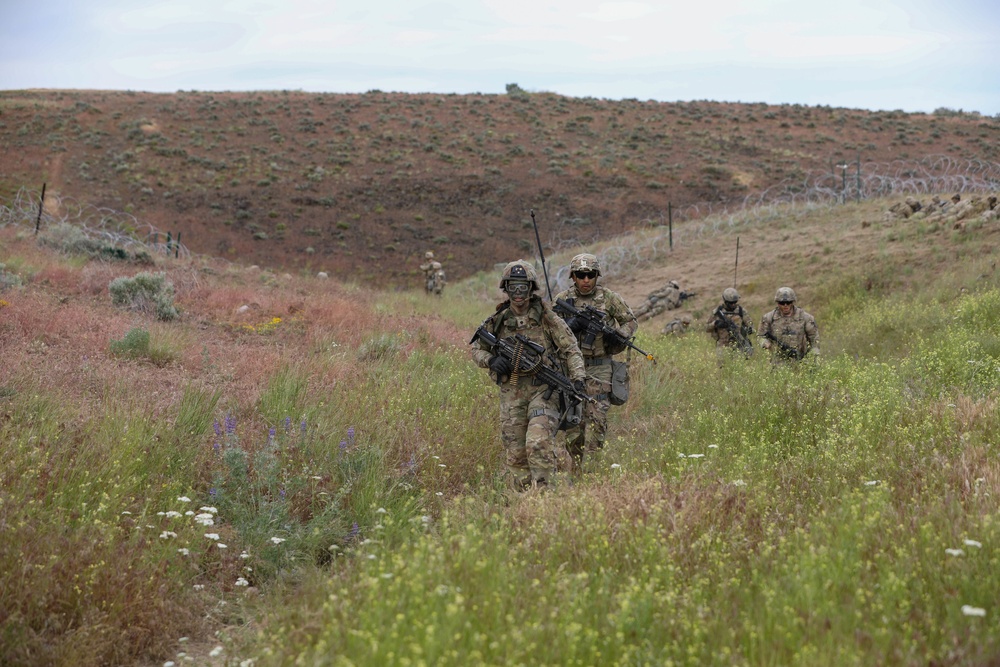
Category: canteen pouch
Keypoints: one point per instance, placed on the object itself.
(619, 383)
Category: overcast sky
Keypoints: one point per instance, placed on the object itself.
(916, 55)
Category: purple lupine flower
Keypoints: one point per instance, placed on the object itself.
(354, 532)
(212, 492)
(271, 432)
(411, 465)
(350, 435)
(281, 493)
(302, 427)
(230, 425)
(216, 446)
(288, 424)
(343, 447)
(217, 427)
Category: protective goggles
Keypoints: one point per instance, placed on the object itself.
(518, 289)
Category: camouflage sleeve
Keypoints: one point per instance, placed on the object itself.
(622, 314)
(765, 325)
(565, 342)
(812, 333)
(481, 353)
(561, 295)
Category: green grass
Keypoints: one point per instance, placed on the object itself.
(746, 514)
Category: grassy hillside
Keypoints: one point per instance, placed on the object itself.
(362, 185)
(314, 478)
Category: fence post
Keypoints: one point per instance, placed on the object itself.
(177, 245)
(670, 224)
(858, 174)
(168, 244)
(41, 205)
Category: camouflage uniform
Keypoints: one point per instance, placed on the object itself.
(667, 297)
(588, 438)
(678, 326)
(735, 313)
(433, 274)
(528, 420)
(797, 330)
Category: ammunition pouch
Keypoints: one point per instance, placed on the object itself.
(619, 383)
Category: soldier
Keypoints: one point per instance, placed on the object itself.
(529, 419)
(668, 297)
(433, 274)
(730, 324)
(588, 438)
(790, 331)
(678, 326)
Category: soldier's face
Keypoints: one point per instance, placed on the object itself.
(785, 308)
(585, 281)
(518, 291)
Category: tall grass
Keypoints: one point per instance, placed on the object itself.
(343, 503)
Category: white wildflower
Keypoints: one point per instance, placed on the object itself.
(380, 510)
(184, 552)
(872, 482)
(696, 456)
(221, 545)
(739, 482)
(205, 519)
(209, 508)
(244, 555)
(172, 514)
(277, 540)
(954, 552)
(387, 575)
(199, 587)
(183, 499)
(212, 536)
(974, 543)
(241, 582)
(969, 610)
(215, 652)
(167, 534)
(615, 466)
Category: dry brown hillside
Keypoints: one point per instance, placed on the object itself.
(362, 185)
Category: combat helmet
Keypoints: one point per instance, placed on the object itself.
(730, 295)
(674, 284)
(585, 262)
(686, 318)
(784, 294)
(428, 255)
(519, 270)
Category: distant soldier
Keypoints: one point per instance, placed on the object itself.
(788, 331)
(677, 326)
(588, 438)
(730, 324)
(668, 297)
(433, 274)
(529, 410)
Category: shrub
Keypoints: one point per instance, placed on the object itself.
(148, 293)
(136, 344)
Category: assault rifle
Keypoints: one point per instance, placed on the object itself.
(785, 349)
(736, 332)
(528, 358)
(684, 296)
(593, 321)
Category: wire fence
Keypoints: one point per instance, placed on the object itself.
(101, 225)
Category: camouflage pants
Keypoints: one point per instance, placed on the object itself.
(588, 437)
(527, 429)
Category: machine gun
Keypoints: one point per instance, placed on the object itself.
(736, 332)
(784, 349)
(527, 357)
(594, 325)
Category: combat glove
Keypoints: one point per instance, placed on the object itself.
(500, 366)
(576, 324)
(580, 387)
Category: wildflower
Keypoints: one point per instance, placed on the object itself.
(126, 512)
(204, 519)
(872, 482)
(969, 610)
(739, 482)
(167, 534)
(371, 556)
(244, 555)
(288, 424)
(212, 536)
(241, 582)
(169, 663)
(954, 552)
(974, 543)
(281, 493)
(199, 587)
(209, 509)
(387, 575)
(215, 652)
(182, 639)
(438, 494)
(615, 466)
(354, 532)
(696, 456)
(221, 545)
(189, 513)
(343, 447)
(713, 446)
(277, 540)
(441, 465)
(183, 499)
(333, 547)
(302, 427)
(380, 510)
(212, 492)
(184, 552)
(246, 663)
(217, 427)
(172, 514)
(317, 477)
(350, 434)
(680, 455)
(426, 519)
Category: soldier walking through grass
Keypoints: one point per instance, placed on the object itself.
(588, 438)
(529, 409)
(730, 324)
(434, 279)
(788, 331)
